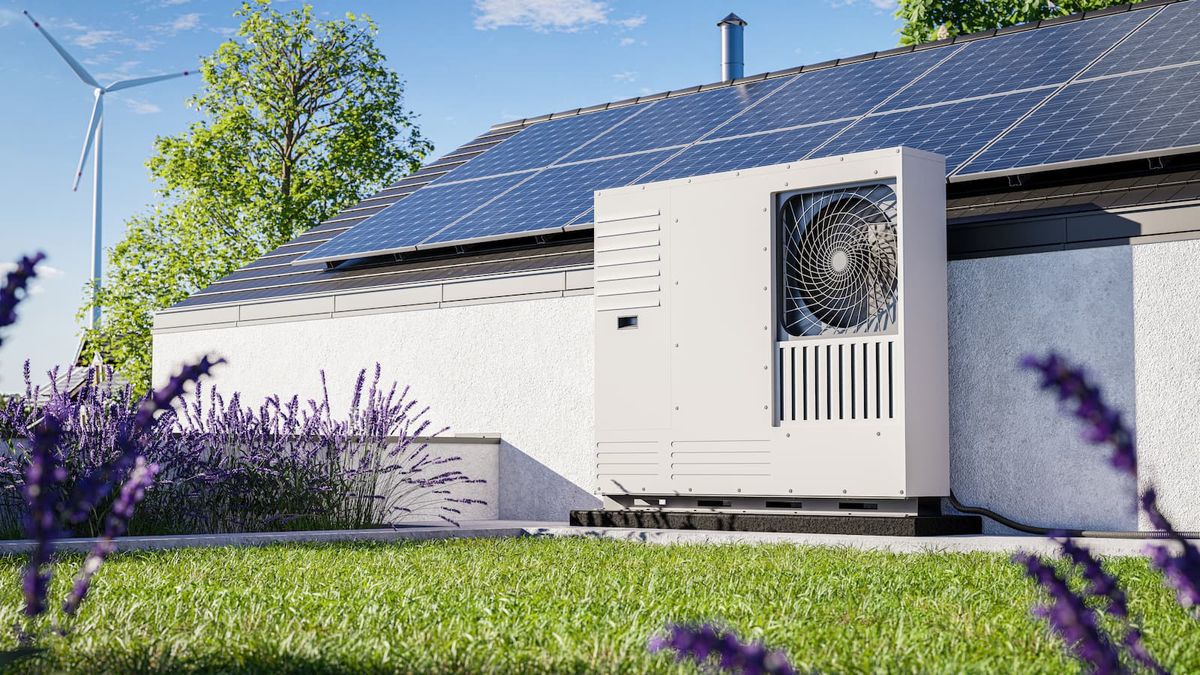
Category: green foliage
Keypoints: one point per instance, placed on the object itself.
(300, 118)
(928, 20)
(580, 605)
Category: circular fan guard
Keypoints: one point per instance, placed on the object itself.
(839, 261)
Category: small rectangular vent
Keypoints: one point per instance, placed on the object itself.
(858, 506)
(851, 380)
(771, 504)
(713, 503)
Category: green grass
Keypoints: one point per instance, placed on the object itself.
(564, 605)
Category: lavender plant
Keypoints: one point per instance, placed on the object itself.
(699, 642)
(227, 467)
(1095, 648)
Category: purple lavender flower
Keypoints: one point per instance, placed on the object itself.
(162, 399)
(1103, 585)
(699, 642)
(14, 289)
(1182, 572)
(1071, 618)
(42, 479)
(132, 492)
(1103, 424)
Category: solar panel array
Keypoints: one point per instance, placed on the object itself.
(1080, 91)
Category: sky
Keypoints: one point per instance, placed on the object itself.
(467, 65)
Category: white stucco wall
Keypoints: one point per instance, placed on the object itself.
(524, 370)
(520, 369)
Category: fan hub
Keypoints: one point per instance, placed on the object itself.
(839, 261)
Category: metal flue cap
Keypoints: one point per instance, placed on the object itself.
(733, 20)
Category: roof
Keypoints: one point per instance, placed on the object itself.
(278, 275)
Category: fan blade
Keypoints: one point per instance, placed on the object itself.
(75, 65)
(97, 113)
(137, 82)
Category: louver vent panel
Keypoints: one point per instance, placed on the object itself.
(841, 381)
(628, 262)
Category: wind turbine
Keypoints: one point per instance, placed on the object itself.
(95, 137)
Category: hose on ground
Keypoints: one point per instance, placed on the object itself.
(1044, 531)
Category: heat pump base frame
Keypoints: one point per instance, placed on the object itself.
(906, 526)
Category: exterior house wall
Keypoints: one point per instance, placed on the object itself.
(523, 369)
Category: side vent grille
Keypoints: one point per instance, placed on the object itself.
(628, 262)
(842, 381)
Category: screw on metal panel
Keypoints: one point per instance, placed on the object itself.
(764, 249)
(677, 345)
(739, 489)
(676, 283)
(764, 209)
(789, 435)
(876, 172)
(689, 489)
(677, 407)
(766, 367)
(785, 184)
(843, 492)
(764, 288)
(902, 492)
(790, 490)
(788, 166)
(878, 433)
(766, 407)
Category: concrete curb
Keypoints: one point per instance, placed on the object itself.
(415, 532)
(495, 529)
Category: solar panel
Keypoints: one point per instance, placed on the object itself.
(956, 130)
(743, 153)
(404, 224)
(678, 121)
(549, 201)
(1033, 58)
(543, 143)
(1168, 39)
(834, 93)
(1137, 113)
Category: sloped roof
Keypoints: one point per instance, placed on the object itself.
(274, 276)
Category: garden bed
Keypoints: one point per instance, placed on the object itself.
(567, 605)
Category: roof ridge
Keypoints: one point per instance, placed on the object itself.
(845, 61)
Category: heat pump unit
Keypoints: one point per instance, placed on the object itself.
(775, 337)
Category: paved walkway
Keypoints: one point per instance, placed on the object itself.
(512, 528)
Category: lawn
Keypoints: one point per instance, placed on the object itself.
(565, 605)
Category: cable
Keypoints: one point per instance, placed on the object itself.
(1044, 531)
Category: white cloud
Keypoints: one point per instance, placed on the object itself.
(186, 22)
(625, 76)
(43, 271)
(141, 107)
(169, 3)
(95, 38)
(883, 5)
(544, 16)
(626, 41)
(8, 16)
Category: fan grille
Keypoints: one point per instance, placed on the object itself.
(839, 261)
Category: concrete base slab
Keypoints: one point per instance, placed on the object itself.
(892, 544)
(897, 526)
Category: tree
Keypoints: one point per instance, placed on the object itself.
(300, 119)
(927, 20)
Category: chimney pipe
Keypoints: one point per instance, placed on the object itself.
(733, 63)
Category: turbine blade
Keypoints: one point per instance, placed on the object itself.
(139, 81)
(75, 65)
(97, 112)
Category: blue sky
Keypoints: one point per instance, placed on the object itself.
(467, 63)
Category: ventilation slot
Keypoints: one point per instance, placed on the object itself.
(834, 382)
(784, 505)
(713, 503)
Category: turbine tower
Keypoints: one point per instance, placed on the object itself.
(95, 137)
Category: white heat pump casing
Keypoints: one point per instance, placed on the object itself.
(694, 383)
